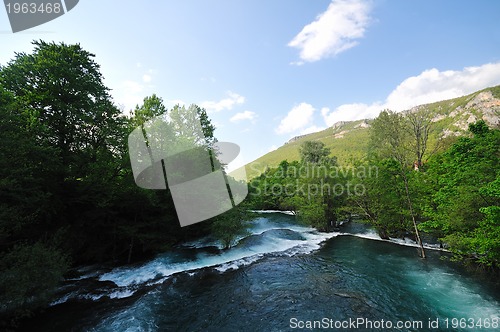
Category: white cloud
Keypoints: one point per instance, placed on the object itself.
(325, 111)
(429, 86)
(299, 117)
(349, 112)
(434, 85)
(311, 129)
(246, 115)
(223, 104)
(129, 94)
(333, 31)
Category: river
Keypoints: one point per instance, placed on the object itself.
(281, 277)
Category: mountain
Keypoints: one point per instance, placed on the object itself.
(348, 140)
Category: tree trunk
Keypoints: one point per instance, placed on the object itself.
(410, 206)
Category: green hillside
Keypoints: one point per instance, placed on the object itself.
(348, 140)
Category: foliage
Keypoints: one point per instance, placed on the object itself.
(151, 107)
(230, 225)
(312, 188)
(463, 207)
(313, 152)
(400, 139)
(25, 284)
(67, 185)
(383, 201)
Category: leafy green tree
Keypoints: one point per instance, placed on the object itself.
(485, 239)
(23, 197)
(479, 128)
(462, 209)
(152, 106)
(158, 227)
(313, 151)
(276, 188)
(60, 91)
(420, 124)
(391, 138)
(183, 119)
(60, 86)
(383, 199)
(311, 188)
(312, 212)
(62, 142)
(230, 225)
(25, 284)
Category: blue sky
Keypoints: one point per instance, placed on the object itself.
(270, 70)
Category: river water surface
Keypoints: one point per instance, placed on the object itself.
(281, 277)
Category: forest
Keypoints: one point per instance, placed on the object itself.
(67, 192)
(68, 196)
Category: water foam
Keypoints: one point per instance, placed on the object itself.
(453, 297)
(290, 213)
(372, 234)
(240, 255)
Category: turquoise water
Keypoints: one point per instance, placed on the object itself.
(282, 277)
